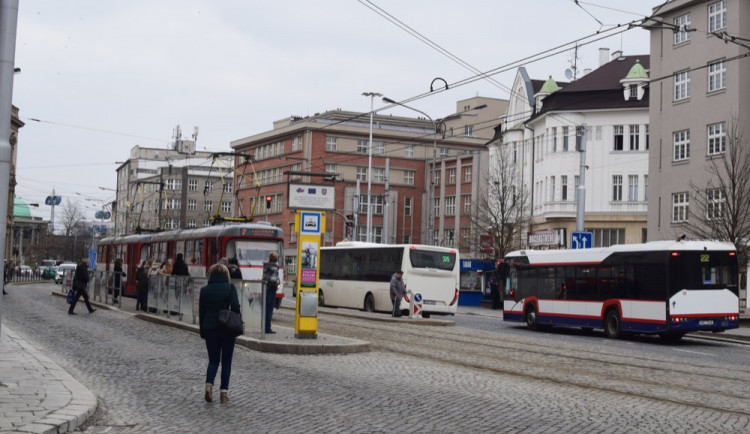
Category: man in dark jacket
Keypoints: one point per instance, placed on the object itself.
(80, 282)
(272, 281)
(180, 268)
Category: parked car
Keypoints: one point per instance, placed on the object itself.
(49, 272)
(60, 275)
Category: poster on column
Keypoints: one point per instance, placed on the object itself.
(309, 269)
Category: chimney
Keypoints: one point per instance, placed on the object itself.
(586, 71)
(617, 54)
(603, 56)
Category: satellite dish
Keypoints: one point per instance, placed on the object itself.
(568, 73)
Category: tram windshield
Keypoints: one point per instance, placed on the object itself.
(252, 252)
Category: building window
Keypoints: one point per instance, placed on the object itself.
(330, 168)
(450, 205)
(172, 204)
(378, 174)
(552, 188)
(452, 175)
(362, 173)
(409, 177)
(444, 152)
(682, 23)
(292, 234)
(564, 187)
(616, 188)
(633, 188)
(191, 204)
(647, 137)
(409, 151)
(191, 223)
(554, 139)
(436, 208)
(467, 174)
(469, 130)
(645, 188)
(565, 139)
(579, 137)
(208, 205)
(679, 207)
(331, 144)
(448, 239)
(192, 184)
(297, 143)
(681, 145)
(406, 239)
(174, 184)
(362, 146)
(209, 187)
(633, 91)
(227, 187)
(717, 16)
(619, 137)
(226, 207)
(717, 138)
(408, 201)
(717, 76)
(467, 204)
(378, 148)
(715, 204)
(607, 237)
(682, 85)
(635, 132)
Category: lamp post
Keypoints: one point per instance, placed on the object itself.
(372, 96)
(431, 221)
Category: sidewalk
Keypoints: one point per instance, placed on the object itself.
(37, 395)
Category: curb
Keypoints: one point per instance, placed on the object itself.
(75, 412)
(384, 318)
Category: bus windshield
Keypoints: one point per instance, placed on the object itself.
(431, 259)
(703, 270)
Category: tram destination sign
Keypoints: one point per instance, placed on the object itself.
(312, 196)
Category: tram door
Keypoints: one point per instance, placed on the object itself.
(128, 281)
(212, 252)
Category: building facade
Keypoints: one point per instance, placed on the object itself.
(699, 90)
(332, 149)
(162, 189)
(542, 133)
(15, 125)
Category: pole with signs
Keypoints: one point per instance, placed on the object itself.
(309, 226)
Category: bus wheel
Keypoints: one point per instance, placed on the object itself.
(612, 325)
(369, 303)
(531, 320)
(321, 298)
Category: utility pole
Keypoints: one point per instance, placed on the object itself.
(581, 203)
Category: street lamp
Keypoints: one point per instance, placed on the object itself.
(372, 96)
(431, 222)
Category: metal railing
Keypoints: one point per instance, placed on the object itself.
(176, 297)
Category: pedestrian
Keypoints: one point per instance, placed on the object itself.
(398, 289)
(166, 267)
(80, 281)
(141, 277)
(234, 269)
(117, 276)
(180, 267)
(213, 298)
(272, 281)
(5, 275)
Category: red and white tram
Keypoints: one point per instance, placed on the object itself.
(249, 243)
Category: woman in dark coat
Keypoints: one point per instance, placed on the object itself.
(117, 276)
(80, 281)
(215, 296)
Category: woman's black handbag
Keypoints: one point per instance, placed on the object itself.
(231, 322)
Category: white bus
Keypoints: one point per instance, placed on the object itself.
(667, 288)
(357, 275)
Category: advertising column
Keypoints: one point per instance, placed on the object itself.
(309, 225)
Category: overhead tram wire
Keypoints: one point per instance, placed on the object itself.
(93, 129)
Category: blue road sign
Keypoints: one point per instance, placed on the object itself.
(417, 297)
(92, 259)
(581, 240)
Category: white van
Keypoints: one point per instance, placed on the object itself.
(61, 271)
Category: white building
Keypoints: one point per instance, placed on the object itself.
(541, 132)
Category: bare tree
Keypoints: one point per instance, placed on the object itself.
(720, 209)
(503, 212)
(72, 215)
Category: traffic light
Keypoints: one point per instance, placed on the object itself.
(349, 224)
(269, 198)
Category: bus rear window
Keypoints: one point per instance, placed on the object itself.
(703, 270)
(431, 259)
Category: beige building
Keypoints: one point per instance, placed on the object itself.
(15, 125)
(699, 86)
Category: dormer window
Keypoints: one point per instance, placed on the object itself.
(633, 92)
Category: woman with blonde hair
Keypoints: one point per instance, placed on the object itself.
(214, 297)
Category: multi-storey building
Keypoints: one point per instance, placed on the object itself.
(336, 143)
(699, 89)
(542, 133)
(174, 188)
(15, 124)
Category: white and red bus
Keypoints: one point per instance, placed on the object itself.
(667, 288)
(250, 243)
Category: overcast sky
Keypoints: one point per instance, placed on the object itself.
(104, 76)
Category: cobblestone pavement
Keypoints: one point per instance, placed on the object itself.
(149, 378)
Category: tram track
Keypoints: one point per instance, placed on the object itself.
(660, 378)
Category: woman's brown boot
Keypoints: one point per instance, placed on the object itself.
(208, 395)
(223, 396)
